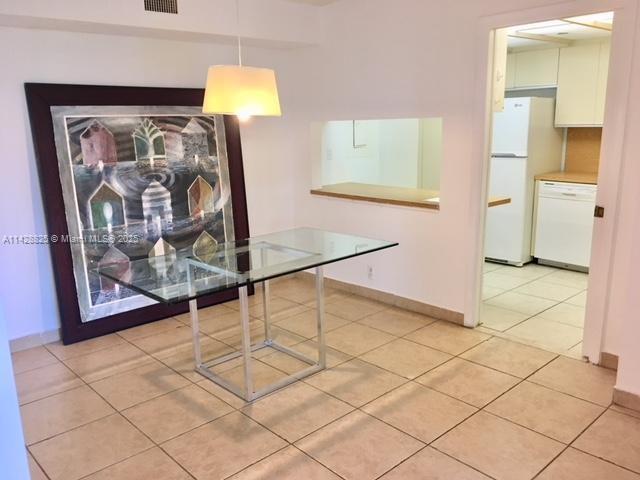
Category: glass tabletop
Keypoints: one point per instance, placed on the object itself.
(187, 275)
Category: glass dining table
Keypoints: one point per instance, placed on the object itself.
(238, 264)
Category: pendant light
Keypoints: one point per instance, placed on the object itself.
(239, 90)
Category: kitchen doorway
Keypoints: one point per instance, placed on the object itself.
(547, 122)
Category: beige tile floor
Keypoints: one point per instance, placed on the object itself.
(405, 397)
(537, 305)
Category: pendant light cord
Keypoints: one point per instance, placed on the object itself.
(238, 31)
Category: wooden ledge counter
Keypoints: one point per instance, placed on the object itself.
(569, 177)
(407, 197)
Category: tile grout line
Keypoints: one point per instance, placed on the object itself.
(356, 408)
(512, 290)
(569, 445)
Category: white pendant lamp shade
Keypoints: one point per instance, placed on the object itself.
(242, 91)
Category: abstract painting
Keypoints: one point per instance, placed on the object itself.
(138, 182)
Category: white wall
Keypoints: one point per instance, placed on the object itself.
(388, 152)
(415, 58)
(49, 56)
(12, 451)
(400, 59)
(273, 21)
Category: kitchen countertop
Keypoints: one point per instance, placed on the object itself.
(408, 197)
(569, 177)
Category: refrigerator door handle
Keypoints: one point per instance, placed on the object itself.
(507, 155)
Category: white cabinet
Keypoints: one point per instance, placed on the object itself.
(582, 84)
(499, 69)
(532, 68)
(511, 71)
(536, 68)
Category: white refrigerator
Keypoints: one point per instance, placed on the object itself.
(525, 144)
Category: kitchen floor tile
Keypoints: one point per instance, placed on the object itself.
(225, 395)
(64, 352)
(579, 379)
(614, 437)
(183, 361)
(138, 385)
(219, 324)
(565, 313)
(90, 448)
(509, 357)
(305, 323)
(165, 344)
(545, 333)
(280, 308)
(44, 381)
(551, 291)
(499, 448)
(488, 291)
(405, 358)
(354, 308)
(355, 339)
(498, 318)
(152, 464)
(107, 362)
(294, 289)
(287, 464)
(31, 359)
(430, 464)
(355, 382)
(491, 267)
(290, 365)
(359, 447)
(35, 472)
(499, 280)
(546, 411)
(263, 374)
(468, 382)
(296, 411)
(223, 447)
(175, 413)
(149, 329)
(530, 271)
(568, 278)
(447, 337)
(397, 321)
(579, 300)
(61, 412)
(518, 302)
(419, 411)
(573, 464)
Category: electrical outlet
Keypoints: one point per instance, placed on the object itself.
(370, 272)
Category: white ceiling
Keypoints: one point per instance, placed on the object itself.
(561, 30)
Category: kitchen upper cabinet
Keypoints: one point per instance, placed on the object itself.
(582, 84)
(536, 68)
(511, 71)
(499, 69)
(603, 75)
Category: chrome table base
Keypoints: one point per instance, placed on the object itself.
(248, 391)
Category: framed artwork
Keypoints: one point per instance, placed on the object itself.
(128, 173)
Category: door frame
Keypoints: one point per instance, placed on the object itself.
(609, 178)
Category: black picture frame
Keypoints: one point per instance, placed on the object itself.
(40, 98)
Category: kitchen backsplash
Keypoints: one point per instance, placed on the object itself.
(583, 150)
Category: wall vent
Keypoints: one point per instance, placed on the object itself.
(162, 6)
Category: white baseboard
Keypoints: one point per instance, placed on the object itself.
(626, 399)
(391, 299)
(34, 340)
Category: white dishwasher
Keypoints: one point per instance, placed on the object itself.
(564, 223)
